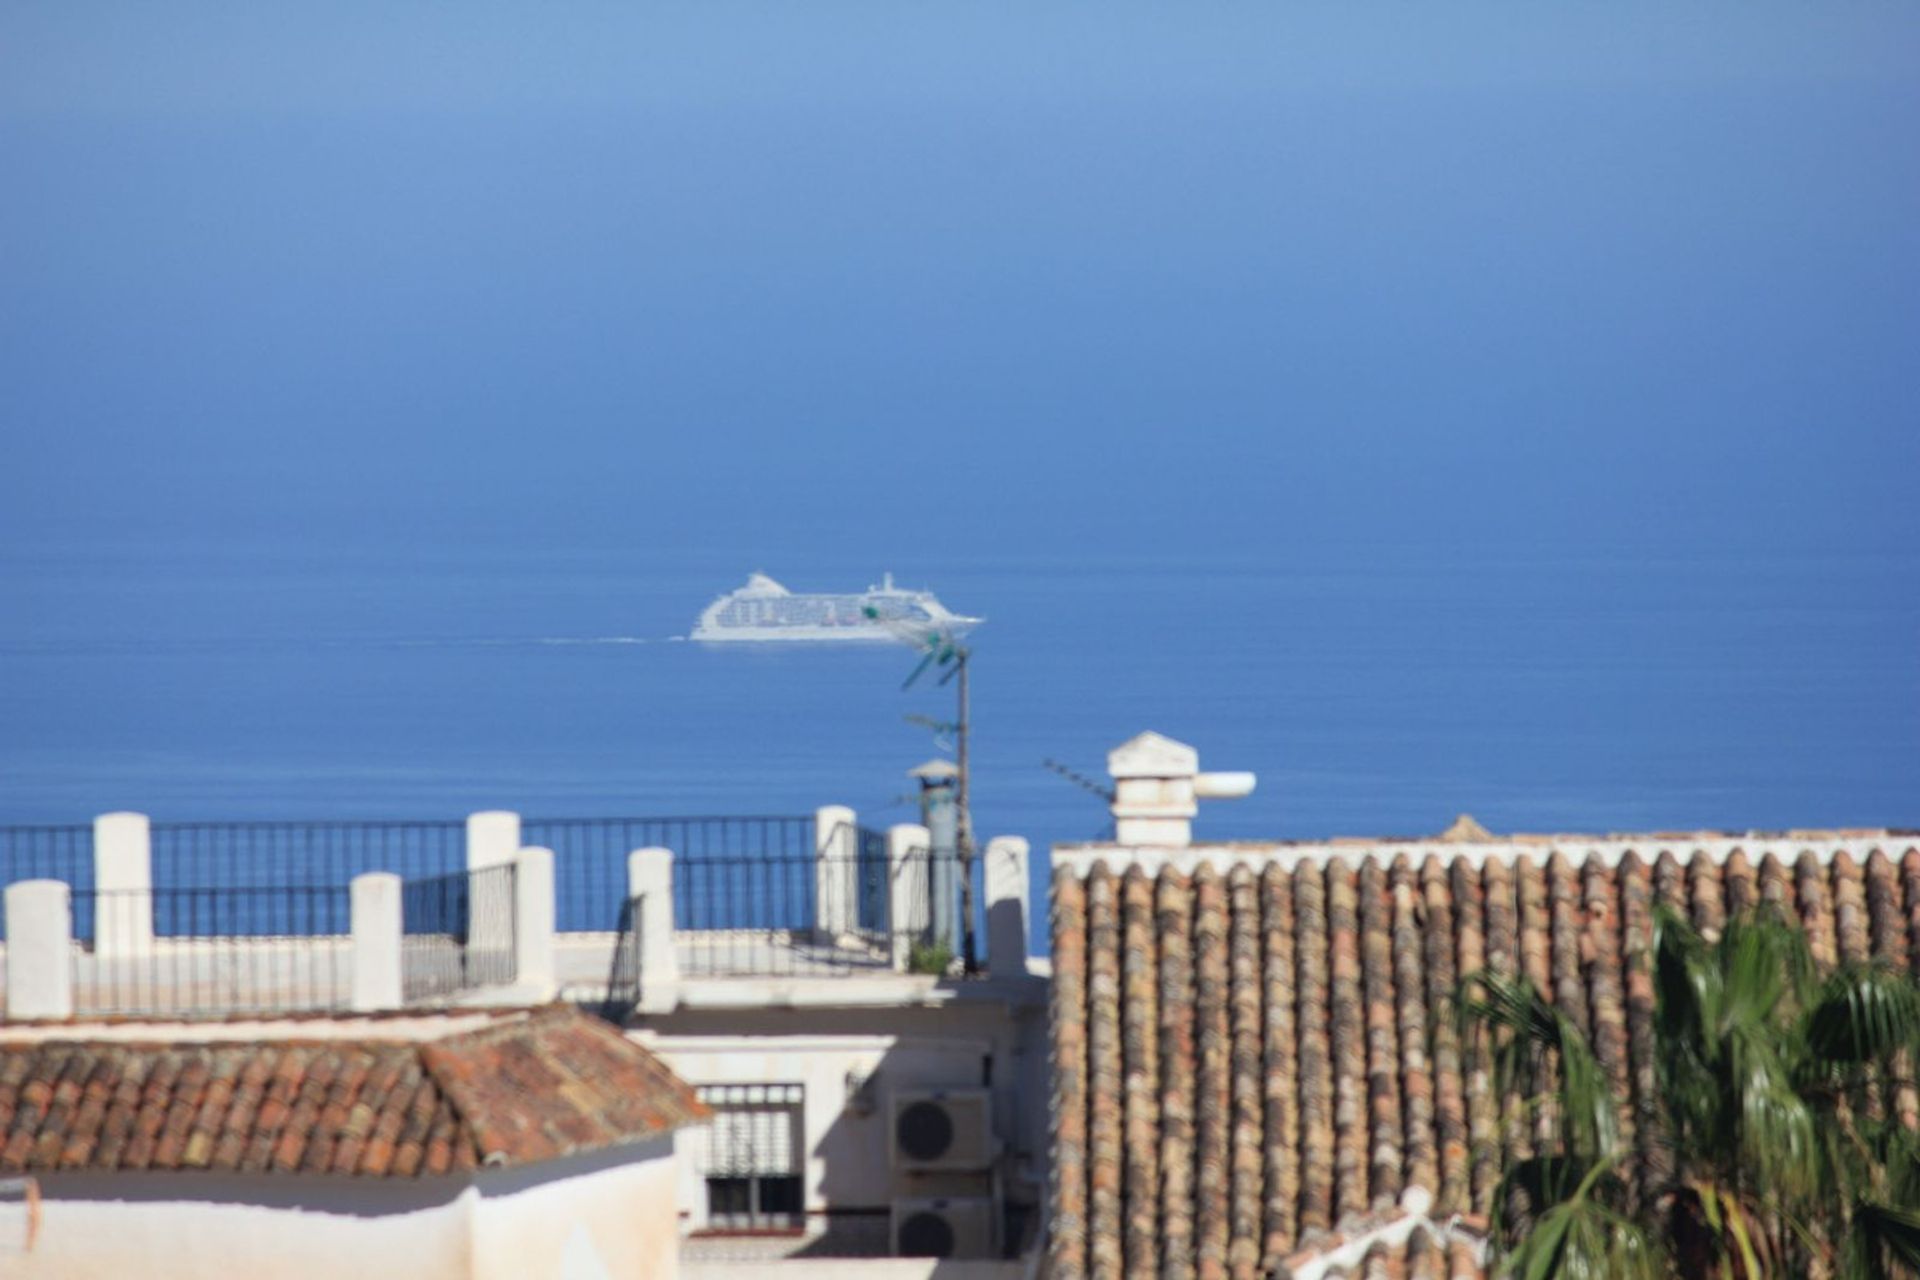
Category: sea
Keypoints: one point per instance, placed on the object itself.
(1373, 690)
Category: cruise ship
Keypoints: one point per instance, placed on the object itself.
(765, 610)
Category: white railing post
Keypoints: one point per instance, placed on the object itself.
(836, 877)
(39, 950)
(650, 884)
(375, 897)
(493, 837)
(909, 884)
(493, 840)
(1007, 890)
(533, 920)
(123, 881)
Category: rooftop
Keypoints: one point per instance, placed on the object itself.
(1251, 1069)
(1465, 831)
(399, 1097)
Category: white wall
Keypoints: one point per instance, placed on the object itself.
(847, 1149)
(847, 1157)
(855, 1269)
(605, 1215)
(185, 1226)
(558, 1220)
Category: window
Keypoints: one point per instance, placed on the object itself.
(750, 1157)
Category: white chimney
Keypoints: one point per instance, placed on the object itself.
(1156, 786)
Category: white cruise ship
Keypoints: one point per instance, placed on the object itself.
(765, 610)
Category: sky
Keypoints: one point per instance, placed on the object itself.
(998, 279)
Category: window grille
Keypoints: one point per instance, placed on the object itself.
(750, 1155)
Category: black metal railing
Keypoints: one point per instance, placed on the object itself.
(590, 866)
(590, 855)
(806, 916)
(188, 854)
(48, 852)
(201, 965)
(458, 932)
(625, 973)
(870, 847)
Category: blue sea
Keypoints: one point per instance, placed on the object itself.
(1374, 690)
(1512, 418)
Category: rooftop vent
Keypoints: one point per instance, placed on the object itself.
(1156, 784)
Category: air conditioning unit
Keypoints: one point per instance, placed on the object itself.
(942, 1129)
(943, 1228)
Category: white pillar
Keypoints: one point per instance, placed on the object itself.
(650, 884)
(533, 920)
(123, 879)
(836, 877)
(39, 950)
(493, 837)
(493, 840)
(376, 941)
(909, 884)
(1007, 889)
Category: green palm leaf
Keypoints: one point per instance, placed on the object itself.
(1540, 1037)
(1884, 1242)
(1775, 1167)
(1864, 1013)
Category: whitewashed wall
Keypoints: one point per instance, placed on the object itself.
(855, 1269)
(848, 1162)
(177, 1226)
(561, 1220)
(610, 1215)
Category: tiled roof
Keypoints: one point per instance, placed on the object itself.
(1402, 1245)
(1247, 1047)
(524, 1089)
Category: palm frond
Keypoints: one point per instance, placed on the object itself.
(1864, 1014)
(1537, 1036)
(1686, 986)
(1899, 1153)
(1584, 1238)
(1884, 1242)
(1776, 1138)
(1541, 1182)
(1758, 1060)
(1765, 966)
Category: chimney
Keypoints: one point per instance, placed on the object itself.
(1156, 786)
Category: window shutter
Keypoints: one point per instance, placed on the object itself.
(755, 1130)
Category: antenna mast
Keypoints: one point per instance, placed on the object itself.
(964, 825)
(944, 650)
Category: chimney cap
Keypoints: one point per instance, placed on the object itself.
(1153, 755)
(935, 771)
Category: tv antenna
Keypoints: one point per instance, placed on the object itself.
(1086, 784)
(942, 652)
(1079, 779)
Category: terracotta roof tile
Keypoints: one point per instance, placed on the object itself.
(1312, 959)
(528, 1088)
(1179, 1062)
(1254, 1062)
(1067, 1199)
(1391, 1244)
(1280, 1076)
(1246, 1173)
(1140, 1056)
(1212, 1084)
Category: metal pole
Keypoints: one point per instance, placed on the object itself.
(964, 830)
